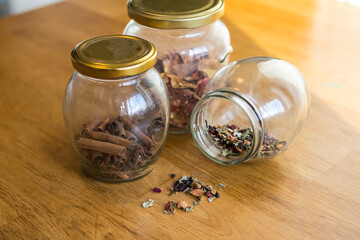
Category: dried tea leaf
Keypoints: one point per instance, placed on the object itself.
(187, 190)
(189, 209)
(211, 199)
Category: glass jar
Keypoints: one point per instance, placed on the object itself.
(253, 108)
(116, 107)
(192, 42)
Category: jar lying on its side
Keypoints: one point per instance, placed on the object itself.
(192, 43)
(116, 107)
(252, 108)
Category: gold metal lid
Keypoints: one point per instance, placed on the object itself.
(113, 56)
(169, 14)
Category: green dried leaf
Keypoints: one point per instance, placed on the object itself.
(189, 209)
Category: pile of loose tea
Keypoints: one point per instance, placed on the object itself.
(185, 82)
(117, 146)
(232, 140)
(190, 186)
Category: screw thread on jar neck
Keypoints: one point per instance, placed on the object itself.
(199, 126)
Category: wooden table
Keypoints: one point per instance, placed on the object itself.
(310, 192)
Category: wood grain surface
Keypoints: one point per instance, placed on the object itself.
(310, 192)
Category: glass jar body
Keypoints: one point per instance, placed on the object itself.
(265, 99)
(187, 59)
(117, 127)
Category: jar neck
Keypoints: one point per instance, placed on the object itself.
(174, 32)
(129, 80)
(198, 125)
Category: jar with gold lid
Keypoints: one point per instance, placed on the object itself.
(192, 43)
(116, 107)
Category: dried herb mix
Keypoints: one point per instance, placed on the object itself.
(190, 186)
(185, 82)
(232, 140)
(117, 146)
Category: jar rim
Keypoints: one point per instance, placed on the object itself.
(198, 132)
(113, 56)
(175, 14)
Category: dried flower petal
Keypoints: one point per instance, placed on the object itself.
(157, 190)
(208, 194)
(191, 185)
(197, 185)
(201, 86)
(171, 207)
(185, 82)
(182, 205)
(196, 192)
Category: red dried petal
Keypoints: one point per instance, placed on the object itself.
(157, 190)
(201, 86)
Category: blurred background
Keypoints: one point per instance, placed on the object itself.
(10, 7)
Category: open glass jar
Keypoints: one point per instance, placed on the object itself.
(253, 108)
(116, 107)
(192, 43)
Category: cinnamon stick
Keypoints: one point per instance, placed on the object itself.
(117, 128)
(135, 130)
(119, 163)
(158, 122)
(104, 124)
(105, 137)
(139, 153)
(131, 137)
(138, 163)
(105, 147)
(85, 132)
(96, 157)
